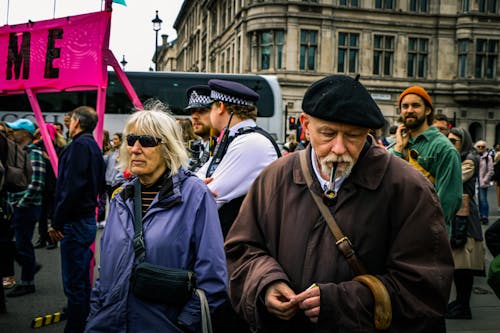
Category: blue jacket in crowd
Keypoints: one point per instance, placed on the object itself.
(80, 179)
(181, 226)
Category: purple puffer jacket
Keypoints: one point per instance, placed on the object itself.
(180, 227)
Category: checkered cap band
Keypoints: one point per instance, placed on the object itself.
(218, 96)
(195, 98)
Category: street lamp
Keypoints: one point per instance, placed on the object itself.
(156, 27)
(124, 62)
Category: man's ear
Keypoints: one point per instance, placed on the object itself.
(222, 107)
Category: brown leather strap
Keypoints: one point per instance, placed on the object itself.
(343, 243)
(382, 302)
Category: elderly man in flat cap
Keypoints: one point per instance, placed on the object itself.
(388, 254)
(243, 151)
(423, 146)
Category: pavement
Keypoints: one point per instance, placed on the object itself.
(49, 296)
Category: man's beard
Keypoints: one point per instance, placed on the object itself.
(416, 123)
(203, 131)
(344, 167)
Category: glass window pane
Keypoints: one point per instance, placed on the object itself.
(341, 61)
(411, 44)
(353, 55)
(411, 61)
(279, 37)
(302, 57)
(303, 37)
(313, 36)
(353, 40)
(479, 64)
(376, 63)
(342, 39)
(388, 64)
(413, 5)
(389, 43)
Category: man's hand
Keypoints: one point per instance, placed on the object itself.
(309, 301)
(402, 137)
(55, 235)
(208, 181)
(277, 301)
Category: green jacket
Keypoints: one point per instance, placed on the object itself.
(438, 156)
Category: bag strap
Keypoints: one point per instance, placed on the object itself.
(138, 242)
(382, 302)
(140, 250)
(343, 243)
(206, 321)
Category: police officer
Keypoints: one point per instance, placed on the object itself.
(243, 151)
(199, 103)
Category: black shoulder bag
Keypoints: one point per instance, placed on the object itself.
(155, 283)
(160, 284)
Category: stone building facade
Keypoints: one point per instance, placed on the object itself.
(450, 47)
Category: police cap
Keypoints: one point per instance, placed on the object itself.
(198, 97)
(232, 92)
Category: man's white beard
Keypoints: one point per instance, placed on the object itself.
(327, 161)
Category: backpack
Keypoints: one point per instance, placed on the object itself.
(17, 167)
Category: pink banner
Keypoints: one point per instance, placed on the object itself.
(54, 55)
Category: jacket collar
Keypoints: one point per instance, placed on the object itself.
(169, 195)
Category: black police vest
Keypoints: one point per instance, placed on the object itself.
(229, 211)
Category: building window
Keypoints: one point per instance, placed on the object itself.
(465, 6)
(462, 58)
(348, 52)
(279, 37)
(419, 6)
(349, 3)
(271, 44)
(213, 16)
(488, 6)
(223, 16)
(486, 58)
(238, 55)
(308, 49)
(384, 4)
(383, 54)
(418, 49)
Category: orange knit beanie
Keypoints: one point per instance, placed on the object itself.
(417, 90)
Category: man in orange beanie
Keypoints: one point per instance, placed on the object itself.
(428, 150)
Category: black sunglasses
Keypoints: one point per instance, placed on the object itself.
(453, 141)
(144, 140)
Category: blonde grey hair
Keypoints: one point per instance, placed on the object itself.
(156, 120)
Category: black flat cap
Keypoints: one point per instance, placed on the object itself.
(198, 97)
(342, 99)
(232, 92)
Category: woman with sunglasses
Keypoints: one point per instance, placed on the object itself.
(467, 237)
(180, 226)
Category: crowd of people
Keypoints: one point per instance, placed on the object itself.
(340, 229)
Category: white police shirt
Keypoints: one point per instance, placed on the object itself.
(245, 158)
